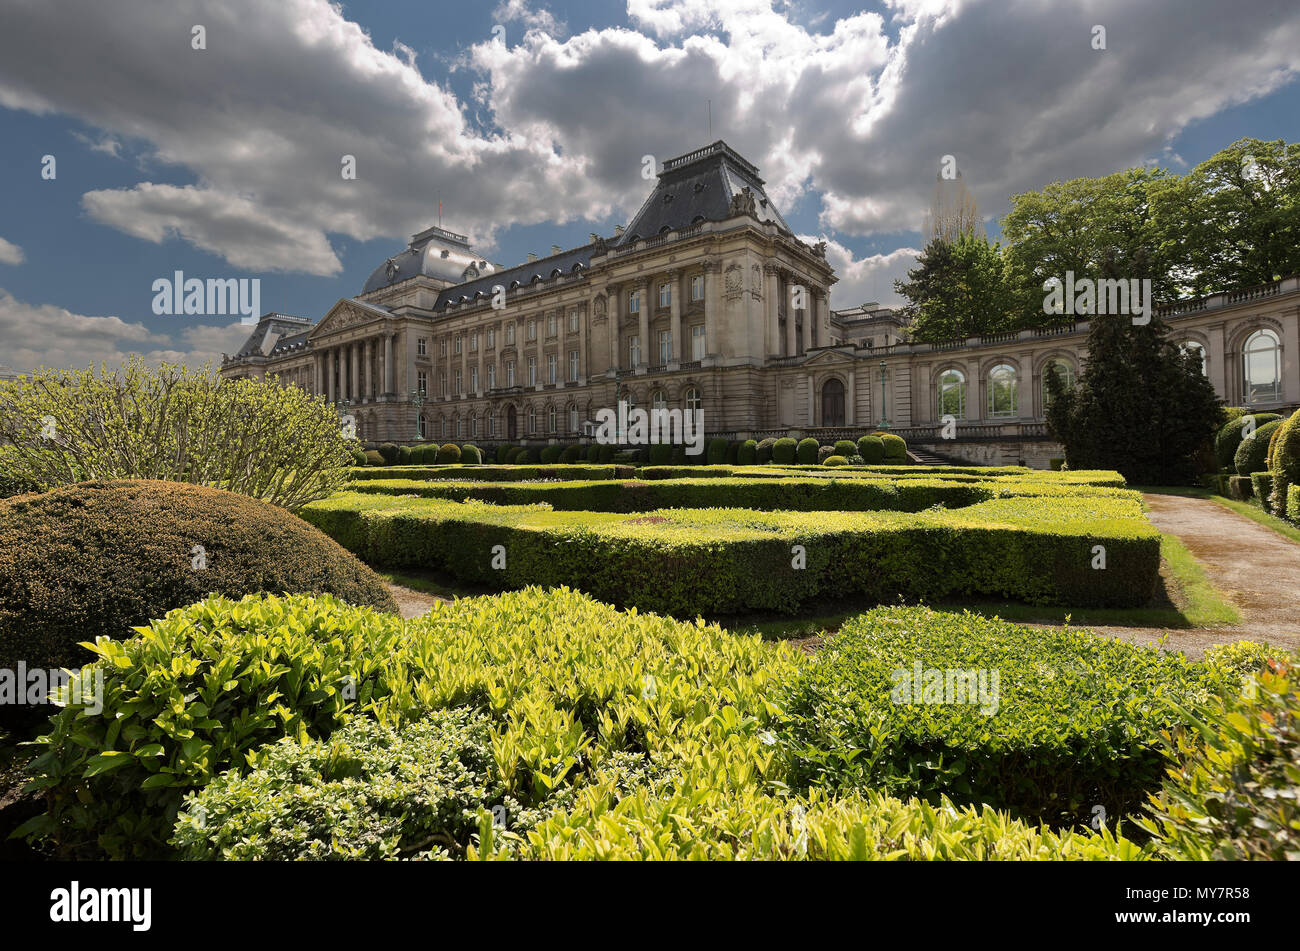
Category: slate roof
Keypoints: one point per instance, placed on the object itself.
(434, 252)
(566, 262)
(700, 185)
(272, 332)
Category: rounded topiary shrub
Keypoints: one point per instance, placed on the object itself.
(806, 451)
(763, 451)
(593, 453)
(1252, 453)
(824, 453)
(606, 454)
(571, 454)
(783, 453)
(551, 455)
(470, 455)
(449, 453)
(895, 449)
(1233, 432)
(845, 447)
(835, 461)
(373, 458)
(98, 558)
(358, 455)
(389, 451)
(404, 456)
(733, 452)
(525, 457)
(1286, 461)
(747, 452)
(661, 454)
(717, 452)
(872, 449)
(855, 460)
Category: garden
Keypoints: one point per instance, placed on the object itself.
(202, 656)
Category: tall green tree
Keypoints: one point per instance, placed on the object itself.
(1141, 406)
(958, 290)
(1233, 220)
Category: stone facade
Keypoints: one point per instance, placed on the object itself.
(707, 300)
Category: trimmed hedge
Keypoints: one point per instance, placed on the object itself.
(806, 452)
(98, 558)
(872, 449)
(1252, 452)
(719, 561)
(824, 453)
(389, 451)
(403, 455)
(784, 451)
(895, 449)
(1239, 487)
(763, 451)
(1043, 723)
(1286, 463)
(1231, 433)
(550, 455)
(373, 458)
(717, 453)
(747, 453)
(834, 461)
(470, 455)
(1293, 504)
(1262, 483)
(448, 453)
(845, 447)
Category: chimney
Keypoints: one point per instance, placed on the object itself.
(556, 249)
(618, 231)
(593, 236)
(532, 256)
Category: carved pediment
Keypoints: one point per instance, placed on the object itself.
(341, 316)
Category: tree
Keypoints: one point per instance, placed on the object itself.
(958, 290)
(1141, 405)
(1233, 220)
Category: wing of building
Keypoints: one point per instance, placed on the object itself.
(706, 301)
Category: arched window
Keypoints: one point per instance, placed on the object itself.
(657, 400)
(692, 398)
(1064, 372)
(1003, 387)
(1261, 360)
(532, 419)
(950, 398)
(1192, 347)
(832, 403)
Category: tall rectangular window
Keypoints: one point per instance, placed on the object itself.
(532, 371)
(442, 347)
(492, 376)
(510, 333)
(421, 347)
(634, 350)
(550, 368)
(697, 342)
(532, 330)
(573, 320)
(423, 383)
(458, 343)
(573, 366)
(634, 302)
(492, 338)
(442, 384)
(510, 373)
(665, 346)
(550, 325)
(473, 341)
(460, 389)
(473, 379)
(665, 295)
(697, 287)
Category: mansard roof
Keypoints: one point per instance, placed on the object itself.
(698, 186)
(271, 332)
(572, 261)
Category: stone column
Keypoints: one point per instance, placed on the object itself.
(850, 401)
(643, 321)
(807, 324)
(582, 343)
(823, 328)
(329, 374)
(615, 293)
(318, 364)
(388, 363)
(354, 377)
(812, 402)
(791, 331)
(370, 368)
(773, 335)
(678, 343)
(711, 305)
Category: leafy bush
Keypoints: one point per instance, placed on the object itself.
(845, 447)
(763, 451)
(404, 455)
(834, 461)
(593, 453)
(872, 449)
(91, 560)
(806, 452)
(747, 453)
(1239, 487)
(661, 454)
(606, 454)
(855, 460)
(717, 454)
(358, 455)
(525, 457)
(369, 792)
(1262, 484)
(1231, 434)
(1286, 462)
(571, 454)
(1232, 789)
(783, 451)
(1044, 723)
(373, 458)
(1292, 503)
(733, 452)
(449, 452)
(551, 455)
(389, 451)
(470, 455)
(895, 449)
(253, 437)
(824, 453)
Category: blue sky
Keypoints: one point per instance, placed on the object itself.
(224, 162)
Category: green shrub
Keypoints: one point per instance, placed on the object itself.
(1262, 484)
(845, 447)
(872, 449)
(358, 455)
(1231, 434)
(525, 457)
(571, 454)
(806, 451)
(679, 457)
(404, 455)
(369, 792)
(763, 451)
(1292, 503)
(593, 453)
(470, 455)
(1243, 659)
(660, 454)
(747, 453)
(784, 451)
(252, 437)
(717, 454)
(606, 454)
(1231, 791)
(449, 452)
(1252, 452)
(195, 694)
(835, 461)
(1043, 723)
(373, 458)
(1286, 462)
(733, 451)
(824, 453)
(1239, 487)
(551, 455)
(1056, 462)
(96, 559)
(895, 449)
(855, 460)
(389, 451)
